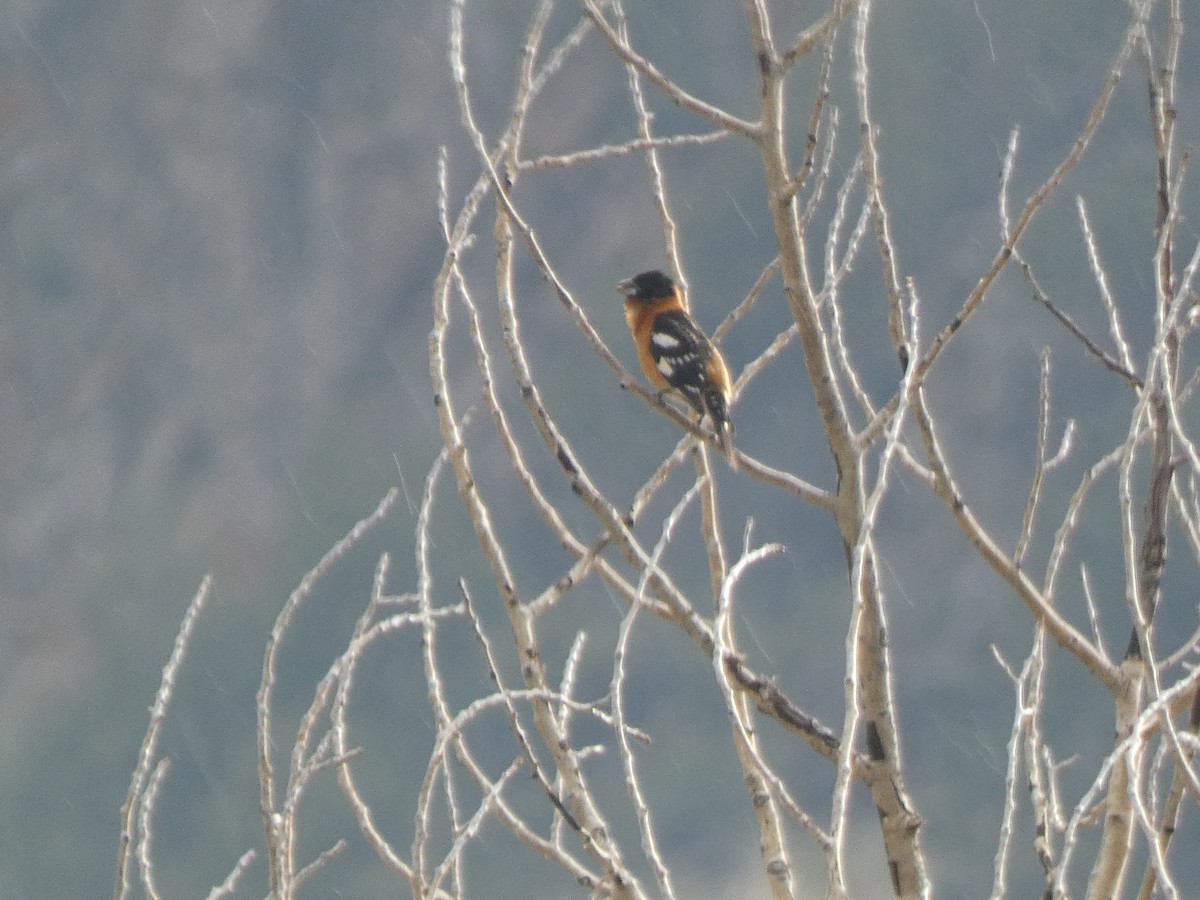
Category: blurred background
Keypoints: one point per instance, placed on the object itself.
(218, 230)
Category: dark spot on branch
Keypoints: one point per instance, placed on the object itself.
(874, 744)
(1134, 650)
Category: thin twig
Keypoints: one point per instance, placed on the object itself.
(616, 151)
(227, 887)
(674, 92)
(149, 748)
(1033, 205)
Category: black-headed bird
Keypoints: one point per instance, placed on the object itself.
(675, 354)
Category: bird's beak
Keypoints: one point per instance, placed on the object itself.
(626, 287)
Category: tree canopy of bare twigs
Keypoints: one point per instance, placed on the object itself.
(567, 742)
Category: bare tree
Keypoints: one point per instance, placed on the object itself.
(829, 214)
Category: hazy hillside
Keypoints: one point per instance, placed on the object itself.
(217, 232)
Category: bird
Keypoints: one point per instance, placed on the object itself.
(675, 353)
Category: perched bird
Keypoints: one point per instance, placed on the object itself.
(675, 354)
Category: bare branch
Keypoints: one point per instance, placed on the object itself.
(674, 92)
(616, 151)
(146, 829)
(227, 887)
(1039, 467)
(650, 847)
(1062, 631)
(503, 665)
(814, 34)
(644, 120)
(1078, 333)
(279, 829)
(1035, 202)
(765, 789)
(1116, 330)
(874, 183)
(149, 748)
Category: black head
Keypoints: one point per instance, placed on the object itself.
(647, 286)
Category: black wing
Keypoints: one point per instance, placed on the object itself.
(681, 353)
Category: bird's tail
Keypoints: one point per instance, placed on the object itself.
(718, 414)
(725, 436)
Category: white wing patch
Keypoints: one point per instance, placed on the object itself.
(664, 340)
(681, 354)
